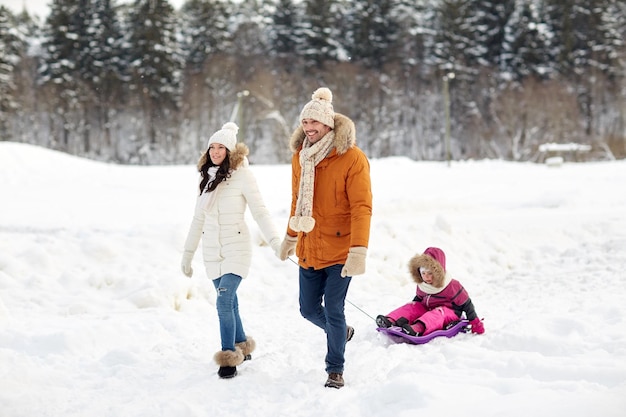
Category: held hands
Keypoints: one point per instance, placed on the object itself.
(185, 264)
(355, 263)
(477, 326)
(287, 248)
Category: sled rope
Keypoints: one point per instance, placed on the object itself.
(351, 303)
(358, 308)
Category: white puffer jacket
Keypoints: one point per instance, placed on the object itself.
(226, 240)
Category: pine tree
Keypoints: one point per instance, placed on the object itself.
(65, 36)
(321, 33)
(586, 34)
(156, 63)
(487, 22)
(12, 47)
(471, 34)
(372, 32)
(284, 29)
(62, 33)
(102, 59)
(248, 28)
(83, 67)
(415, 33)
(453, 38)
(102, 67)
(204, 32)
(525, 47)
(586, 43)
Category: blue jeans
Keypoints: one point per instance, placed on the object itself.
(326, 284)
(231, 329)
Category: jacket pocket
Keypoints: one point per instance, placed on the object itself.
(335, 239)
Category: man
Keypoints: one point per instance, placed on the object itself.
(331, 210)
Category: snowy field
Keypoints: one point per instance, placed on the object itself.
(97, 320)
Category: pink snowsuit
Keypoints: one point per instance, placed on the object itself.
(435, 305)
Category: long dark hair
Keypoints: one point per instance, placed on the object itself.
(223, 172)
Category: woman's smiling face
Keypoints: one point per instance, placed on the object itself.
(217, 152)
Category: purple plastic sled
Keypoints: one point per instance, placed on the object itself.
(398, 336)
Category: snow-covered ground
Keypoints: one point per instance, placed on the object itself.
(96, 318)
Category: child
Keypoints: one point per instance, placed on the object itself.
(440, 299)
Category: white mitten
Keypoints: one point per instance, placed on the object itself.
(287, 248)
(275, 245)
(185, 264)
(355, 263)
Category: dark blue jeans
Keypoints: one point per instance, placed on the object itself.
(328, 286)
(231, 329)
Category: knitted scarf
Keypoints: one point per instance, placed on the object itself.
(310, 156)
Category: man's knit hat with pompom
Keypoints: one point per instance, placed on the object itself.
(320, 108)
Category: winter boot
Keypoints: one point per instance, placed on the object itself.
(401, 322)
(408, 329)
(417, 329)
(247, 348)
(335, 380)
(349, 333)
(228, 361)
(451, 324)
(227, 372)
(384, 321)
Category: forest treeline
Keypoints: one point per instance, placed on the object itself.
(143, 83)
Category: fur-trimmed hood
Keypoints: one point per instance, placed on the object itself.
(433, 259)
(238, 157)
(345, 135)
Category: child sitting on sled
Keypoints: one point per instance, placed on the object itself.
(439, 300)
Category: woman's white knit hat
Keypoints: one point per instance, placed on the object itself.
(320, 108)
(226, 136)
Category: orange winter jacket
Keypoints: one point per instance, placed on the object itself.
(342, 201)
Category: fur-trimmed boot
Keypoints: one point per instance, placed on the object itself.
(228, 361)
(247, 348)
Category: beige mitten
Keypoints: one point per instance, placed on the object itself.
(355, 263)
(287, 248)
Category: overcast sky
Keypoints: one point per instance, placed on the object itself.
(40, 7)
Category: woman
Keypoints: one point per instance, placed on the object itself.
(226, 187)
